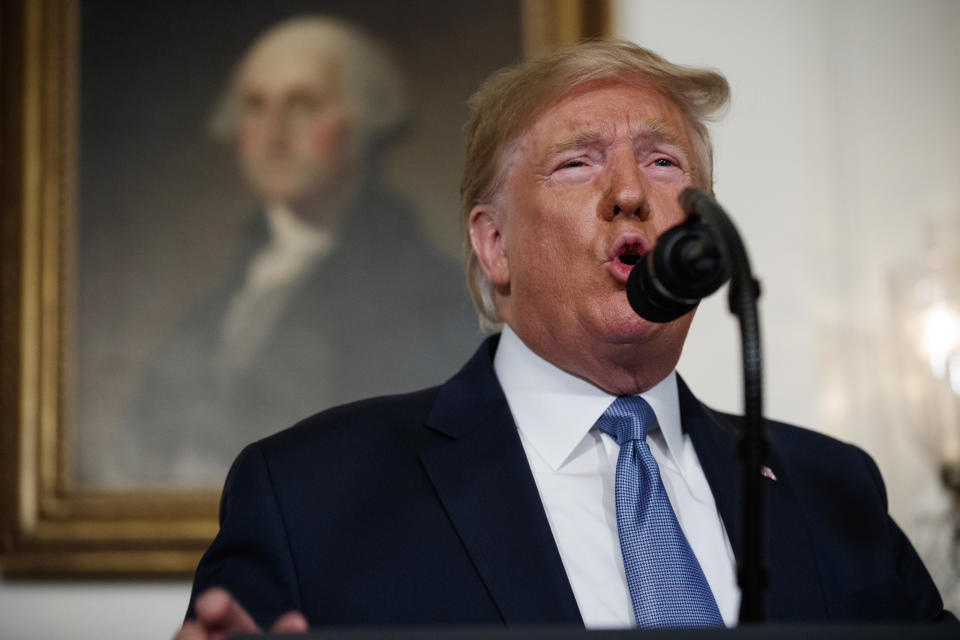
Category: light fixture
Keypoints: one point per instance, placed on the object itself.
(926, 301)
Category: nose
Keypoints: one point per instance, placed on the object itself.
(627, 188)
(274, 127)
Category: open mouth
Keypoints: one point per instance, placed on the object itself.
(630, 254)
(626, 253)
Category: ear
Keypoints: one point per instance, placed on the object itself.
(486, 237)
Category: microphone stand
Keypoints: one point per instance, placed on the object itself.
(744, 291)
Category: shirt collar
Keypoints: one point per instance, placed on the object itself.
(555, 410)
(295, 236)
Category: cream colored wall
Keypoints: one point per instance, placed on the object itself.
(841, 144)
(841, 140)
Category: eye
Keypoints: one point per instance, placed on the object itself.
(252, 104)
(575, 168)
(663, 162)
(305, 104)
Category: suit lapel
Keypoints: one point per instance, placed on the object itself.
(794, 590)
(715, 444)
(481, 475)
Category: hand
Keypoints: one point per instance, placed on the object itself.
(219, 615)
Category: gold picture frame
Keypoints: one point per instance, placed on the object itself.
(49, 526)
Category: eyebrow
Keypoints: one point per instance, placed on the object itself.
(653, 132)
(578, 141)
(658, 131)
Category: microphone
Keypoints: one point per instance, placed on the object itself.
(684, 266)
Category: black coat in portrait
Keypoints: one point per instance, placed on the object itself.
(385, 312)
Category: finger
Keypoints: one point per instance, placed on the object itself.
(191, 630)
(219, 611)
(290, 622)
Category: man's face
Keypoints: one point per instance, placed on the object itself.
(593, 180)
(293, 130)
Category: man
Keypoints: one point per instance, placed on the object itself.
(327, 300)
(565, 475)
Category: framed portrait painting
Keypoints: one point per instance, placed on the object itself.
(219, 218)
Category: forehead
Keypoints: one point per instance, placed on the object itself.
(281, 65)
(607, 111)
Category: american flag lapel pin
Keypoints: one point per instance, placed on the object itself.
(767, 472)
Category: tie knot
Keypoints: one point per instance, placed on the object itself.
(628, 418)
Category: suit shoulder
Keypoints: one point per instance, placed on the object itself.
(391, 416)
(812, 446)
(338, 458)
(811, 454)
(799, 441)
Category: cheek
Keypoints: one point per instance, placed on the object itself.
(559, 227)
(554, 253)
(246, 139)
(327, 135)
(670, 212)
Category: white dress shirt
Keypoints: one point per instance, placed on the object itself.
(574, 466)
(294, 249)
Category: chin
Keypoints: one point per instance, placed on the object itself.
(624, 326)
(273, 190)
(282, 185)
(619, 317)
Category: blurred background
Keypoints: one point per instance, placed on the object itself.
(214, 137)
(839, 160)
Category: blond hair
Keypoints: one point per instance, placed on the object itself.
(512, 98)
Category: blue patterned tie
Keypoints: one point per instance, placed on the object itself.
(666, 583)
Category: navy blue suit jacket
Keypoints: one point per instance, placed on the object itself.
(422, 509)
